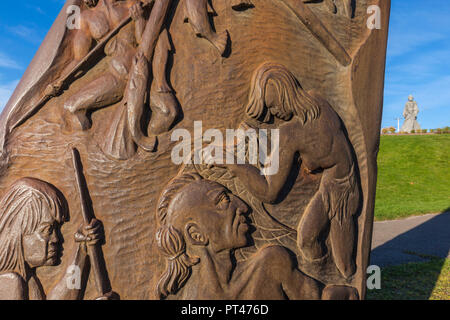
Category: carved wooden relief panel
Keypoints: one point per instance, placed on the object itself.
(88, 180)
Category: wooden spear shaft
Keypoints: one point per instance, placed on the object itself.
(102, 283)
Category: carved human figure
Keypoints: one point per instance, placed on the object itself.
(410, 114)
(98, 19)
(201, 224)
(32, 212)
(196, 12)
(311, 133)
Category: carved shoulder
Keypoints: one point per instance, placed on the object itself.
(12, 287)
(95, 23)
(326, 110)
(321, 101)
(275, 257)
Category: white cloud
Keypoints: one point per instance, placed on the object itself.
(6, 91)
(7, 62)
(38, 9)
(403, 43)
(419, 67)
(29, 34)
(433, 98)
(418, 62)
(417, 25)
(430, 95)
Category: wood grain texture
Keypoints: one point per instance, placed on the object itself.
(212, 89)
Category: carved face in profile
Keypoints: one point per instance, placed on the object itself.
(273, 103)
(91, 3)
(42, 247)
(31, 213)
(211, 215)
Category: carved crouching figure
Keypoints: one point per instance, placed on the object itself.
(201, 223)
(32, 212)
(98, 19)
(312, 133)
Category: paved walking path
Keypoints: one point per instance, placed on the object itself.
(401, 241)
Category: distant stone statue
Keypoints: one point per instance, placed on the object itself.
(410, 114)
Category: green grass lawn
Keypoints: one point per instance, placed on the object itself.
(413, 176)
(414, 281)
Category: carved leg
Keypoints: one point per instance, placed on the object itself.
(135, 100)
(342, 243)
(153, 28)
(162, 102)
(348, 8)
(197, 15)
(101, 92)
(313, 223)
(344, 7)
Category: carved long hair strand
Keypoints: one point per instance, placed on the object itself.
(21, 214)
(171, 242)
(293, 99)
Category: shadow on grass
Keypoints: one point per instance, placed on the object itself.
(412, 262)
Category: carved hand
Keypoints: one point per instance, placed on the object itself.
(91, 234)
(54, 89)
(209, 161)
(136, 11)
(140, 64)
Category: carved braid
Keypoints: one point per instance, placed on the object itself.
(171, 242)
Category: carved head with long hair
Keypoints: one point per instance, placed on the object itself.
(194, 212)
(276, 92)
(31, 211)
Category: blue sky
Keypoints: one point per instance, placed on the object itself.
(418, 59)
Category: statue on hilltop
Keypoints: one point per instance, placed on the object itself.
(410, 114)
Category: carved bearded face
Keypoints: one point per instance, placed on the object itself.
(216, 216)
(42, 248)
(91, 3)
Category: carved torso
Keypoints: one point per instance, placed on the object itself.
(121, 49)
(103, 19)
(98, 24)
(320, 143)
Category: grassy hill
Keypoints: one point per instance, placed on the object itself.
(431, 281)
(413, 175)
